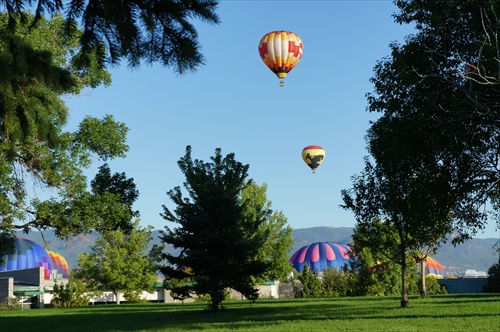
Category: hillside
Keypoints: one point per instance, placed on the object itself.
(476, 254)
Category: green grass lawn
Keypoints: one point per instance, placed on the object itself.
(434, 313)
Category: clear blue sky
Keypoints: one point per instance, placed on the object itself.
(234, 102)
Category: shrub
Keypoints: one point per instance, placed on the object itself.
(11, 303)
(338, 283)
(73, 294)
(493, 282)
(134, 296)
(311, 285)
(433, 287)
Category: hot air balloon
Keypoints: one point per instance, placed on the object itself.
(313, 156)
(59, 263)
(322, 255)
(27, 254)
(281, 51)
(433, 268)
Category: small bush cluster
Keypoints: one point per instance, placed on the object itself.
(493, 282)
(134, 296)
(331, 283)
(433, 287)
(338, 283)
(73, 294)
(376, 282)
(310, 284)
(11, 303)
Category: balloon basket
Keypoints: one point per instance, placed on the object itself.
(282, 84)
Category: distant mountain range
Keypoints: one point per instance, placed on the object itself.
(476, 254)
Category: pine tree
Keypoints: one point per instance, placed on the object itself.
(151, 31)
(219, 243)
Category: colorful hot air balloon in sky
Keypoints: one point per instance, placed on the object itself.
(313, 156)
(27, 254)
(321, 255)
(281, 51)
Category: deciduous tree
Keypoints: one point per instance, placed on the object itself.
(378, 271)
(279, 236)
(119, 262)
(395, 215)
(435, 158)
(73, 294)
(437, 94)
(310, 284)
(42, 182)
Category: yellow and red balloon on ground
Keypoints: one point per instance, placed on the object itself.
(59, 263)
(313, 156)
(433, 268)
(281, 51)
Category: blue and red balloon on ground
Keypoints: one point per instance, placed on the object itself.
(322, 255)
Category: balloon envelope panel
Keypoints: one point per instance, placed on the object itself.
(59, 263)
(27, 254)
(433, 268)
(322, 255)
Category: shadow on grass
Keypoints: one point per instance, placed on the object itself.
(259, 316)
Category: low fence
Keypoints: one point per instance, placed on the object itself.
(463, 285)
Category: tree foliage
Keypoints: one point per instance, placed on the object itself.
(118, 193)
(220, 243)
(376, 275)
(42, 181)
(433, 287)
(279, 236)
(310, 284)
(389, 222)
(119, 262)
(60, 49)
(438, 96)
(435, 148)
(493, 282)
(73, 294)
(338, 283)
(112, 30)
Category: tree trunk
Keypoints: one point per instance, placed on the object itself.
(117, 296)
(215, 300)
(404, 289)
(423, 291)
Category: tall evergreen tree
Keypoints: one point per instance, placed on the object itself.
(153, 31)
(219, 242)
